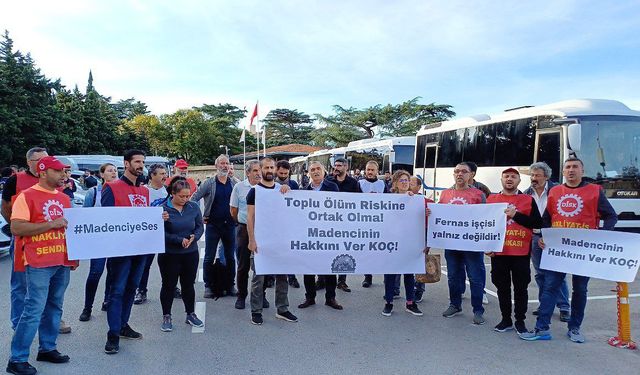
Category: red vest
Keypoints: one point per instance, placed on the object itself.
(574, 208)
(24, 181)
(467, 196)
(47, 249)
(518, 238)
(126, 195)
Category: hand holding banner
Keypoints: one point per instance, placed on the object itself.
(104, 232)
(469, 227)
(601, 254)
(308, 232)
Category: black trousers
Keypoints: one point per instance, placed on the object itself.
(330, 282)
(508, 269)
(172, 268)
(244, 261)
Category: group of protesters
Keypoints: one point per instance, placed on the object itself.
(34, 202)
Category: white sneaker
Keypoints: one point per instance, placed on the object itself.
(485, 300)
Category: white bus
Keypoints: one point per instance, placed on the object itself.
(390, 153)
(327, 157)
(298, 168)
(605, 134)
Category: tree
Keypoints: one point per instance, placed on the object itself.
(148, 128)
(286, 126)
(127, 109)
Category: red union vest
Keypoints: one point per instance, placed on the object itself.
(467, 196)
(192, 183)
(518, 238)
(47, 249)
(126, 195)
(24, 181)
(574, 208)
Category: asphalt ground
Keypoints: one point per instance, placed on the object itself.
(357, 340)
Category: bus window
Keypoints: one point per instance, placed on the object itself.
(480, 143)
(451, 148)
(549, 152)
(515, 142)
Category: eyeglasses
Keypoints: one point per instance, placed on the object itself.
(460, 171)
(404, 180)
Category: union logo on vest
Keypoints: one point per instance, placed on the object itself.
(137, 200)
(569, 205)
(458, 200)
(52, 210)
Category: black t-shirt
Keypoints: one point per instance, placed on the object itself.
(251, 195)
(9, 189)
(348, 185)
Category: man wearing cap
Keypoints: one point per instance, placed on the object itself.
(13, 187)
(181, 168)
(126, 271)
(512, 264)
(574, 204)
(37, 221)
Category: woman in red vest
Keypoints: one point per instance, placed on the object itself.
(512, 264)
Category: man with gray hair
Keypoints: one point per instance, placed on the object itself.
(219, 226)
(539, 190)
(238, 206)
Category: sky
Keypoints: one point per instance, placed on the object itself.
(478, 56)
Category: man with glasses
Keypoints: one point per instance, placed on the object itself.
(460, 262)
(346, 184)
(15, 185)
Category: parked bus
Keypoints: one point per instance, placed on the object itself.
(298, 168)
(390, 153)
(326, 157)
(604, 134)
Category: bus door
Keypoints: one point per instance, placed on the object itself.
(549, 150)
(430, 161)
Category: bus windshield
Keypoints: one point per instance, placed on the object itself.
(610, 147)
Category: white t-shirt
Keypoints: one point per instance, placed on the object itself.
(155, 194)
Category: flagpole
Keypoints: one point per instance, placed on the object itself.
(258, 133)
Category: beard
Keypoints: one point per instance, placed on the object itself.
(268, 176)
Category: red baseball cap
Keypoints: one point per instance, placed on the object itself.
(50, 162)
(512, 170)
(181, 163)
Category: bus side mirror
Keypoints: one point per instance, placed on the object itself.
(574, 135)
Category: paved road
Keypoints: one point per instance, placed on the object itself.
(357, 340)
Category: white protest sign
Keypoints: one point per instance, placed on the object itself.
(601, 254)
(470, 227)
(311, 232)
(103, 232)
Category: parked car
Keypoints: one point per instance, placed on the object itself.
(5, 237)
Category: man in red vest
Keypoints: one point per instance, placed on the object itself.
(12, 188)
(512, 264)
(574, 204)
(459, 261)
(37, 221)
(126, 270)
(181, 168)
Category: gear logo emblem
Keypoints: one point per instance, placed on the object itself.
(138, 200)
(458, 200)
(52, 210)
(569, 205)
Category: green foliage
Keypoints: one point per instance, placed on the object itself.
(286, 126)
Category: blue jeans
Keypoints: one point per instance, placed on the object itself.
(126, 273)
(96, 269)
(536, 255)
(390, 286)
(472, 263)
(213, 234)
(18, 290)
(551, 289)
(144, 280)
(42, 311)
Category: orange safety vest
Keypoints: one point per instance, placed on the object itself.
(574, 208)
(518, 238)
(126, 195)
(47, 249)
(24, 181)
